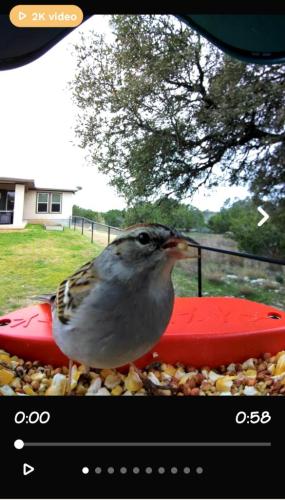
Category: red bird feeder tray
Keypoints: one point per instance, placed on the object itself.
(202, 331)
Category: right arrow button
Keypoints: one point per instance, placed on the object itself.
(265, 216)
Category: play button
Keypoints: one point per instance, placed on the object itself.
(28, 469)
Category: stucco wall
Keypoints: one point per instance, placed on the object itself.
(30, 209)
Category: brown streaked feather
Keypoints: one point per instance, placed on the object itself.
(73, 290)
(144, 224)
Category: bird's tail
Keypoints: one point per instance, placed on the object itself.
(45, 297)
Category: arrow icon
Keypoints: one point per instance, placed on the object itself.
(22, 16)
(265, 216)
(27, 469)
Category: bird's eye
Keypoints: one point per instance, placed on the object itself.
(144, 238)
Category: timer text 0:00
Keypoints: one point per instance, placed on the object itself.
(34, 417)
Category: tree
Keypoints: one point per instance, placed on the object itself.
(161, 108)
(241, 219)
(115, 218)
(87, 213)
(165, 211)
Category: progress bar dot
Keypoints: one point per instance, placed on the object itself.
(19, 444)
(98, 470)
(85, 470)
(161, 470)
(136, 470)
(123, 470)
(148, 470)
(174, 470)
(186, 470)
(111, 470)
(199, 470)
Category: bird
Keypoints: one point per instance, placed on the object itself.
(115, 308)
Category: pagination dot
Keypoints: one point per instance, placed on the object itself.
(110, 470)
(136, 470)
(161, 470)
(174, 470)
(199, 470)
(123, 470)
(148, 470)
(186, 470)
(85, 470)
(98, 470)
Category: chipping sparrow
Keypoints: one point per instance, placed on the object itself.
(116, 307)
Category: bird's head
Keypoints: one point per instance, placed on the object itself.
(151, 245)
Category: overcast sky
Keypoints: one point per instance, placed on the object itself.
(37, 130)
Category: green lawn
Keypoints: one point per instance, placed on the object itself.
(35, 261)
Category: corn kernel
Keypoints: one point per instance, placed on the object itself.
(28, 390)
(280, 367)
(224, 384)
(117, 391)
(133, 382)
(6, 376)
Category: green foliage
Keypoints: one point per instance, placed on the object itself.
(165, 211)
(87, 213)
(241, 219)
(115, 218)
(160, 108)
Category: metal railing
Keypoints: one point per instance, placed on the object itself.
(85, 224)
(82, 223)
(250, 256)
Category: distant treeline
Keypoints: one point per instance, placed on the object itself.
(237, 220)
(166, 211)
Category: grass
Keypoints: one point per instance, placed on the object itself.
(226, 275)
(35, 261)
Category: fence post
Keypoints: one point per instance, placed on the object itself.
(109, 234)
(69, 222)
(199, 272)
(92, 228)
(74, 219)
(82, 225)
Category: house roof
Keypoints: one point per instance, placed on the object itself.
(30, 183)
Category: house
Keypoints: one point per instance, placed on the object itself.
(22, 202)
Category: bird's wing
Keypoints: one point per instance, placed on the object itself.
(73, 290)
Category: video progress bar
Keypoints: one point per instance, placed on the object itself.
(150, 444)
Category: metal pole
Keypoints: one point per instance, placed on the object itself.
(82, 225)
(109, 234)
(199, 272)
(69, 223)
(92, 228)
(74, 222)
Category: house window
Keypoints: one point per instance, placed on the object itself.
(42, 203)
(49, 203)
(6, 200)
(10, 200)
(55, 205)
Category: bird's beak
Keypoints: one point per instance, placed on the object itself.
(179, 248)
